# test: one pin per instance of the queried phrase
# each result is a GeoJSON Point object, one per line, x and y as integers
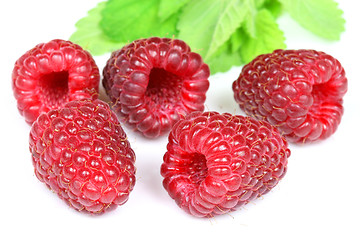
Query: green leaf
{"type": "Point", "coordinates": [253, 6]}
{"type": "Point", "coordinates": [128, 20]}
{"type": "Point", "coordinates": [258, 3]}
{"type": "Point", "coordinates": [274, 6]}
{"type": "Point", "coordinates": [271, 37]}
{"type": "Point", "coordinates": [224, 59]}
{"type": "Point", "coordinates": [236, 40]}
{"type": "Point", "coordinates": [322, 17]}
{"type": "Point", "coordinates": [90, 36]}
{"type": "Point", "coordinates": [170, 7]}
{"type": "Point", "coordinates": [206, 24]}
{"type": "Point", "coordinates": [249, 23]}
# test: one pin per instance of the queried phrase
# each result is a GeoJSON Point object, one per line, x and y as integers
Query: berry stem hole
{"type": "Point", "coordinates": [321, 95]}
{"type": "Point", "coordinates": [197, 168]}
{"type": "Point", "coordinates": [54, 87]}
{"type": "Point", "coordinates": [318, 92]}
{"type": "Point", "coordinates": [163, 86]}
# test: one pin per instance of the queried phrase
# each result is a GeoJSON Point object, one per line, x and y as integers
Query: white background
{"type": "Point", "coordinates": [317, 199]}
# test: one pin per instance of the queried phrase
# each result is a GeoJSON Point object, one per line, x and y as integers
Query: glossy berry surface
{"type": "Point", "coordinates": [216, 163]}
{"type": "Point", "coordinates": [52, 74]}
{"type": "Point", "coordinates": [298, 91]}
{"type": "Point", "coordinates": [154, 81]}
{"type": "Point", "coordinates": [81, 153]}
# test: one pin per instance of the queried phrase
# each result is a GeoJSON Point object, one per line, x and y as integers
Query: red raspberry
{"type": "Point", "coordinates": [52, 74]}
{"type": "Point", "coordinates": [298, 91]}
{"type": "Point", "coordinates": [216, 163]}
{"type": "Point", "coordinates": [153, 81]}
{"type": "Point", "coordinates": [81, 153]}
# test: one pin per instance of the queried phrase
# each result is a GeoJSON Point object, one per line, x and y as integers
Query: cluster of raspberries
{"type": "Point", "coordinates": [214, 163]}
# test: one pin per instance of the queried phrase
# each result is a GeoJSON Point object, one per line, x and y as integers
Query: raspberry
{"type": "Point", "coordinates": [152, 82]}
{"type": "Point", "coordinates": [298, 91]}
{"type": "Point", "coordinates": [81, 153]}
{"type": "Point", "coordinates": [216, 163]}
{"type": "Point", "coordinates": [52, 74]}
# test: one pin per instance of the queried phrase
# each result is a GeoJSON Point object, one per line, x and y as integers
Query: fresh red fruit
{"type": "Point", "coordinates": [81, 153]}
{"type": "Point", "coordinates": [298, 91]}
{"type": "Point", "coordinates": [154, 81]}
{"type": "Point", "coordinates": [216, 163]}
{"type": "Point", "coordinates": [52, 74]}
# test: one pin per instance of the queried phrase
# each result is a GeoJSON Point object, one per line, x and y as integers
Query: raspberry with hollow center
{"type": "Point", "coordinates": [216, 163]}
{"type": "Point", "coordinates": [298, 91]}
{"type": "Point", "coordinates": [52, 74]}
{"type": "Point", "coordinates": [154, 81]}
{"type": "Point", "coordinates": [81, 153]}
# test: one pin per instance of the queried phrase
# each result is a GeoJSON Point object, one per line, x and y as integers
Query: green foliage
{"type": "Point", "coordinates": [128, 20]}
{"type": "Point", "coordinates": [90, 36]}
{"type": "Point", "coordinates": [271, 37]}
{"type": "Point", "coordinates": [205, 25]}
{"type": "Point", "coordinates": [170, 7]}
{"type": "Point", "coordinates": [322, 17]}
{"type": "Point", "coordinates": [226, 33]}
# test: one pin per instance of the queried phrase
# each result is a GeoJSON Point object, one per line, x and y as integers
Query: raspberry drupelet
{"type": "Point", "coordinates": [152, 82]}
{"type": "Point", "coordinates": [216, 163]}
{"type": "Point", "coordinates": [51, 74]}
{"type": "Point", "coordinates": [298, 91]}
{"type": "Point", "coordinates": [81, 153]}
